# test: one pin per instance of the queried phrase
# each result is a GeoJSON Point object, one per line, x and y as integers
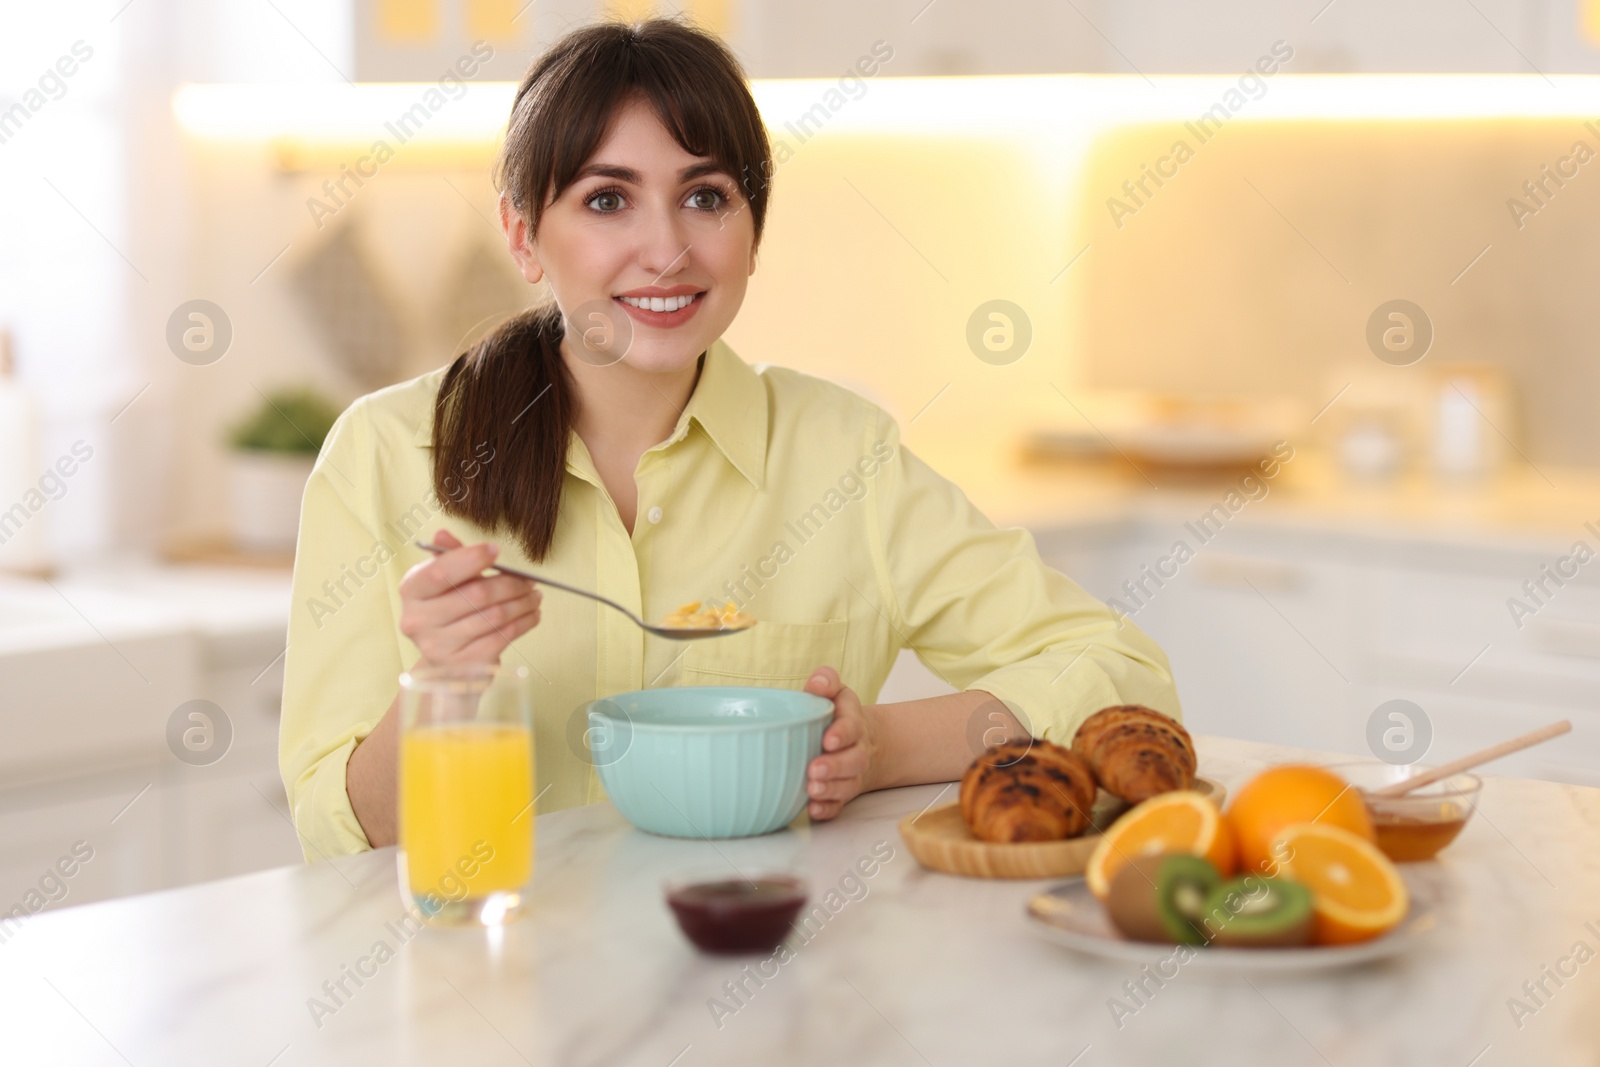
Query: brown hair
{"type": "Point", "coordinates": [510, 392]}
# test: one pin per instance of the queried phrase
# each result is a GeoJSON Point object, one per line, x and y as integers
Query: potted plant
{"type": "Point", "coordinates": [273, 452]}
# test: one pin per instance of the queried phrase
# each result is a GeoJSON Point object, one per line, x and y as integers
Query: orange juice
{"type": "Point", "coordinates": [466, 824]}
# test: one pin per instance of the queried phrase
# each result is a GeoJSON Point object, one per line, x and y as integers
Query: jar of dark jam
{"type": "Point", "coordinates": [737, 915]}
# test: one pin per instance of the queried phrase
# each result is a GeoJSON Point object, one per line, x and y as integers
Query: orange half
{"type": "Point", "coordinates": [1356, 892]}
{"type": "Point", "coordinates": [1179, 821]}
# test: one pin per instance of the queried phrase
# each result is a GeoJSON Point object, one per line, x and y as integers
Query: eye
{"type": "Point", "coordinates": [610, 200]}
{"type": "Point", "coordinates": [610, 192]}
{"type": "Point", "coordinates": [719, 197]}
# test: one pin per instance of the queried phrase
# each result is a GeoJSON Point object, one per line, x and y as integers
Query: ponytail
{"type": "Point", "coordinates": [508, 398]}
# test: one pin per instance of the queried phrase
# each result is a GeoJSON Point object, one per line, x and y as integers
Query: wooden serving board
{"type": "Point", "coordinates": [940, 841]}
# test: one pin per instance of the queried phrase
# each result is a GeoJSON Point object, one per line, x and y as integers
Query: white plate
{"type": "Point", "coordinates": [1070, 915]}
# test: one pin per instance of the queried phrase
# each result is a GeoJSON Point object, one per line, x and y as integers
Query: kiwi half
{"type": "Point", "coordinates": [1162, 898]}
{"type": "Point", "coordinates": [1258, 912]}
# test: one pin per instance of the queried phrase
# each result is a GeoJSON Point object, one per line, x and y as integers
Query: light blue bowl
{"type": "Point", "coordinates": [707, 761]}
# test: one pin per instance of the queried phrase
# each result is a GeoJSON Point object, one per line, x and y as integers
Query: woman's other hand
{"type": "Point", "coordinates": [455, 614]}
{"type": "Point", "coordinates": [845, 767]}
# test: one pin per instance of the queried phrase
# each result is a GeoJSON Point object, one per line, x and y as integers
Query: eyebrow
{"type": "Point", "coordinates": [631, 176]}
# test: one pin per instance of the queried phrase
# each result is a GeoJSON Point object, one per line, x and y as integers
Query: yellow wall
{"type": "Point", "coordinates": [1254, 270]}
{"type": "Point", "coordinates": [922, 198]}
{"type": "Point", "coordinates": [878, 250]}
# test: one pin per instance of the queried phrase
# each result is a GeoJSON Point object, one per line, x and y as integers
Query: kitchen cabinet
{"type": "Point", "coordinates": [40, 829]}
{"type": "Point", "coordinates": [86, 711]}
{"type": "Point", "coordinates": [151, 825]}
{"type": "Point", "coordinates": [1295, 635]}
{"type": "Point", "coordinates": [1421, 36]}
{"type": "Point", "coordinates": [1259, 637]}
{"type": "Point", "coordinates": [359, 40]}
{"type": "Point", "coordinates": [1446, 639]}
{"type": "Point", "coordinates": [1172, 37]}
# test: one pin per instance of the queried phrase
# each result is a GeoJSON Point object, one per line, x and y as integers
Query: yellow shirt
{"type": "Point", "coordinates": [778, 490]}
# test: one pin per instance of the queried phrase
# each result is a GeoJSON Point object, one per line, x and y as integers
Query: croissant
{"type": "Point", "coordinates": [1027, 790]}
{"type": "Point", "coordinates": [1136, 752]}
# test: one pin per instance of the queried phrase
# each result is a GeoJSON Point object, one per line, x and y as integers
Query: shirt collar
{"type": "Point", "coordinates": [729, 403]}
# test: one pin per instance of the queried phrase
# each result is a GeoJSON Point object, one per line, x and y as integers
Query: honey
{"type": "Point", "coordinates": [1413, 836]}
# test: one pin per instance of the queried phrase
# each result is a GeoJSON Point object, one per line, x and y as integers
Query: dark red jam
{"type": "Point", "coordinates": [736, 915]}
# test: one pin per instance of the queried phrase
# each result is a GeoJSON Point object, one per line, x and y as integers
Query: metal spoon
{"type": "Point", "coordinates": [671, 633]}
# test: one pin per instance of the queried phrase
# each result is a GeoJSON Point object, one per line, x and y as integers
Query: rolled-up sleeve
{"type": "Point", "coordinates": [982, 610]}
{"type": "Point", "coordinates": [342, 664]}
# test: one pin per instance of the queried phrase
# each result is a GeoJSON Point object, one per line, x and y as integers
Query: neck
{"type": "Point", "coordinates": [623, 408]}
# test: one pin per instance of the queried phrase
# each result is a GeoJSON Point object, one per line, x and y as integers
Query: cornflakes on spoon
{"type": "Point", "coordinates": [696, 615]}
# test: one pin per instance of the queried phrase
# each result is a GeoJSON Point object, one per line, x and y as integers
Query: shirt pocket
{"type": "Point", "coordinates": [775, 654]}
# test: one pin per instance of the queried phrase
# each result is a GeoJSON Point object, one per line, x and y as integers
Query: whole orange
{"type": "Point", "coordinates": [1282, 796]}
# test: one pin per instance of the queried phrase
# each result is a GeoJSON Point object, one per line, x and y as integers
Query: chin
{"type": "Point", "coordinates": [665, 355]}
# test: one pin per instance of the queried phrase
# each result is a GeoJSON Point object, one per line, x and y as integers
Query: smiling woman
{"type": "Point", "coordinates": [634, 181]}
{"type": "Point", "coordinates": [618, 187]}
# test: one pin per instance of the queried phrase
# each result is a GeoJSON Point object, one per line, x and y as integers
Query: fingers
{"type": "Point", "coordinates": [824, 682]}
{"type": "Point", "coordinates": [488, 647]}
{"type": "Point", "coordinates": [848, 726]}
{"type": "Point", "coordinates": [839, 783]}
{"type": "Point", "coordinates": [836, 776]}
{"type": "Point", "coordinates": [494, 616]}
{"type": "Point", "coordinates": [483, 592]}
{"type": "Point", "coordinates": [500, 597]}
{"type": "Point", "coordinates": [443, 572]}
{"type": "Point", "coordinates": [479, 637]}
{"type": "Point", "coordinates": [823, 810]}
{"type": "Point", "coordinates": [454, 613]}
{"type": "Point", "coordinates": [474, 622]}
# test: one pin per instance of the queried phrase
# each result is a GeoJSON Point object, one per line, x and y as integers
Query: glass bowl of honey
{"type": "Point", "coordinates": [1420, 823]}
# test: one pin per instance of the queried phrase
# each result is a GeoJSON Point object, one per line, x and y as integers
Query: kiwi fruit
{"type": "Point", "coordinates": [1258, 912]}
{"type": "Point", "coordinates": [1162, 898]}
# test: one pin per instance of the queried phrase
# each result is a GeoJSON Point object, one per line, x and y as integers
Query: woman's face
{"type": "Point", "coordinates": [644, 220]}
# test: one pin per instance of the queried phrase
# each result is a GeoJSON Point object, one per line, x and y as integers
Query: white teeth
{"type": "Point", "coordinates": [659, 303]}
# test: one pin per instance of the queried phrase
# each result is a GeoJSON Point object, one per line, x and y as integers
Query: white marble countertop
{"type": "Point", "coordinates": [919, 968]}
{"type": "Point", "coordinates": [1520, 508]}
{"type": "Point", "coordinates": [135, 599]}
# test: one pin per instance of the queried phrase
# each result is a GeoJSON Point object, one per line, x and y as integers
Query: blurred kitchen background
{"type": "Point", "coordinates": [1098, 258]}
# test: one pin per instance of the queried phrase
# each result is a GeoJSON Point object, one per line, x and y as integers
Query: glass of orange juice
{"type": "Point", "coordinates": [466, 792]}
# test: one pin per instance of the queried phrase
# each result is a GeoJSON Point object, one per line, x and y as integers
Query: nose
{"type": "Point", "coordinates": [663, 242]}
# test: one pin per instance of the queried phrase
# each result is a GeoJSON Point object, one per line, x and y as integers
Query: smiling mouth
{"type": "Point", "coordinates": [664, 305]}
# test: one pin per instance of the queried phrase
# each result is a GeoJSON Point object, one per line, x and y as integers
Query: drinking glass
{"type": "Point", "coordinates": [466, 793]}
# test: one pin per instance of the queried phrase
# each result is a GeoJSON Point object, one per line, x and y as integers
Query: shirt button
{"type": "Point", "coordinates": [654, 514]}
